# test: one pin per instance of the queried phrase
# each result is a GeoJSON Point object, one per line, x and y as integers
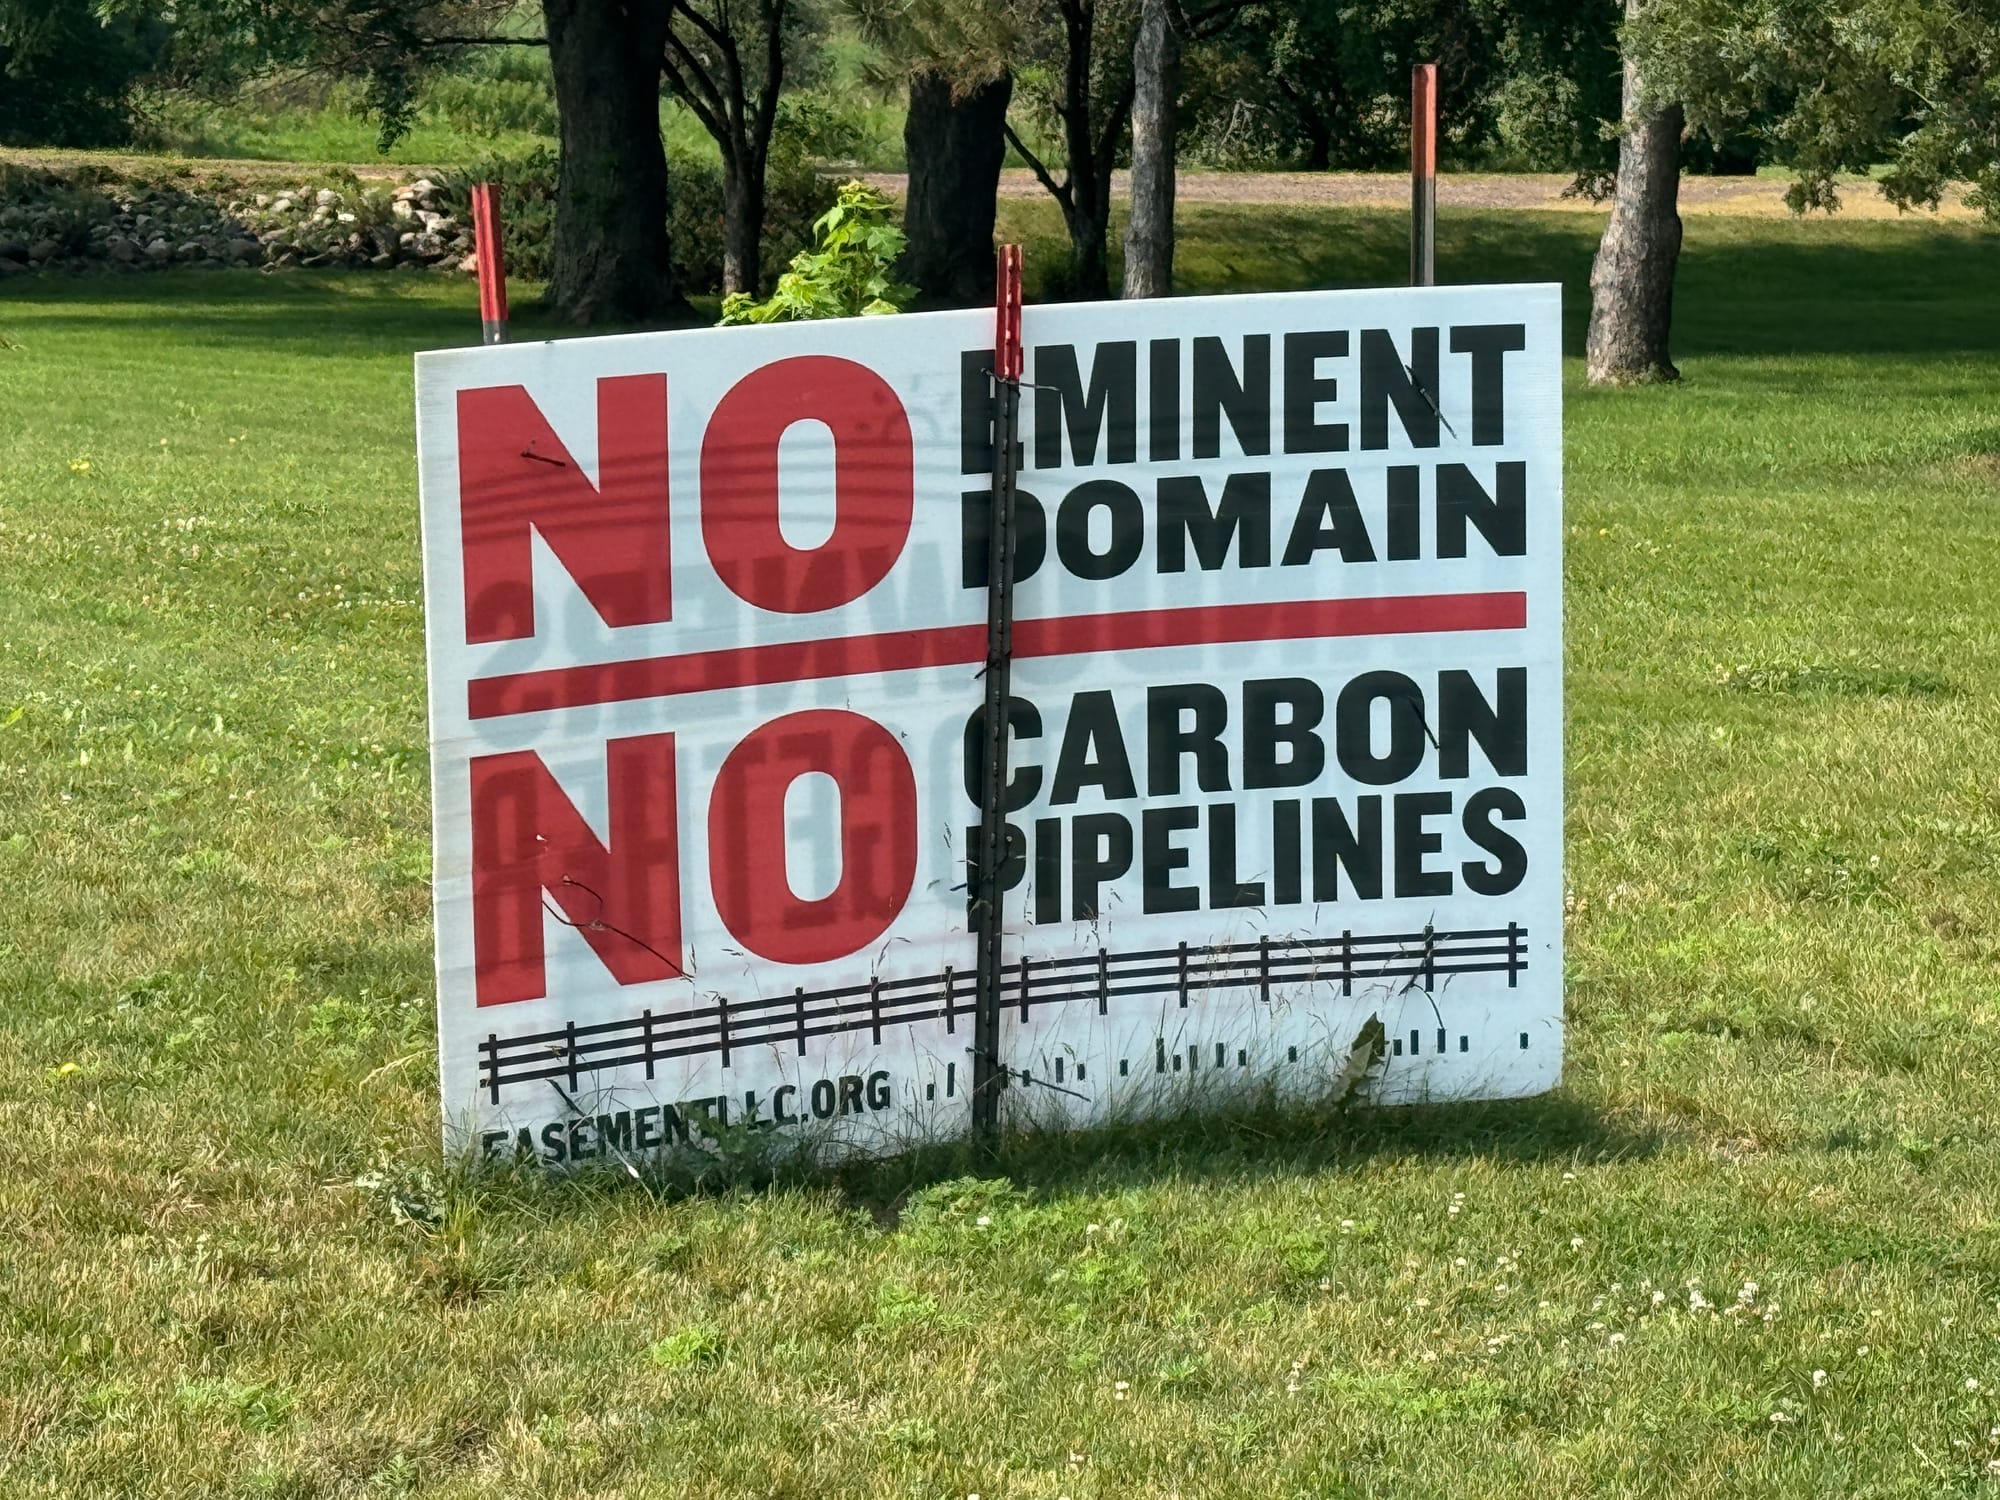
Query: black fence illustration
{"type": "Point", "coordinates": [1185, 973]}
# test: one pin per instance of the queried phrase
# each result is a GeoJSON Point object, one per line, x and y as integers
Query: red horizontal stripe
{"type": "Point", "coordinates": [965, 645]}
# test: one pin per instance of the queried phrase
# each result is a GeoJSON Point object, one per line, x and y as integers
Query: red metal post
{"type": "Point", "coordinates": [1423, 174]}
{"type": "Point", "coordinates": [492, 264]}
{"type": "Point", "coordinates": [1007, 358]}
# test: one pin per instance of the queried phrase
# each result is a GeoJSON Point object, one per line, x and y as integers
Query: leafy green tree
{"type": "Point", "coordinates": [1839, 86]}
{"type": "Point", "coordinates": [1327, 82]}
{"type": "Point", "coordinates": [1557, 84]}
{"type": "Point", "coordinates": [67, 75]}
{"type": "Point", "coordinates": [850, 273]}
{"type": "Point", "coordinates": [1824, 86]}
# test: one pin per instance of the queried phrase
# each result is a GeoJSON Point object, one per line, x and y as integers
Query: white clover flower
{"type": "Point", "coordinates": [1971, 1384]}
{"type": "Point", "coordinates": [1820, 1378]}
{"type": "Point", "coordinates": [1779, 1418]}
{"type": "Point", "coordinates": [1615, 1339]}
{"type": "Point", "coordinates": [1659, 1298]}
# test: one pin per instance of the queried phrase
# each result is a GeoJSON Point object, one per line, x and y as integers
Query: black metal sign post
{"type": "Point", "coordinates": [987, 1070]}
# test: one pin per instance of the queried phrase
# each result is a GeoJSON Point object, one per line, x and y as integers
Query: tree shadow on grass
{"type": "Point", "coordinates": [1747, 286]}
{"type": "Point", "coordinates": [293, 313]}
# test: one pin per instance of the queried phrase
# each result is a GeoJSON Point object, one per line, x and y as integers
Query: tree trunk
{"type": "Point", "coordinates": [1632, 278]}
{"type": "Point", "coordinates": [610, 261]}
{"type": "Point", "coordinates": [742, 229]}
{"type": "Point", "coordinates": [955, 145]}
{"type": "Point", "coordinates": [1149, 237]}
{"type": "Point", "coordinates": [1088, 211]}
{"type": "Point", "coordinates": [1089, 228]}
{"type": "Point", "coordinates": [1319, 142]}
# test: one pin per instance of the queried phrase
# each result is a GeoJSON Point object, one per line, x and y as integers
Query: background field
{"type": "Point", "coordinates": [1749, 1249]}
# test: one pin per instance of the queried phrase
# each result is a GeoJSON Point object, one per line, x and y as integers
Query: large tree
{"type": "Point", "coordinates": [954, 143]}
{"type": "Point", "coordinates": [728, 61]}
{"type": "Point", "coordinates": [1156, 85]}
{"type": "Point", "coordinates": [1166, 28]}
{"type": "Point", "coordinates": [1830, 87]}
{"type": "Point", "coordinates": [67, 74]}
{"type": "Point", "coordinates": [611, 260]}
{"type": "Point", "coordinates": [1841, 86]}
{"type": "Point", "coordinates": [1632, 277]}
{"type": "Point", "coordinates": [1327, 82]}
{"type": "Point", "coordinates": [953, 57]}
{"type": "Point", "coordinates": [1074, 69]}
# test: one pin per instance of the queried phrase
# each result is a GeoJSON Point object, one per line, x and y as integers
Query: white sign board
{"type": "Point", "coordinates": [707, 616]}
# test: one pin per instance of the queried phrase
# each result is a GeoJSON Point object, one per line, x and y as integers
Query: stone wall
{"type": "Point", "coordinates": [52, 221]}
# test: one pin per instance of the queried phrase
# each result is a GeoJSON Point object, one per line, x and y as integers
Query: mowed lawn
{"type": "Point", "coordinates": [1749, 1249]}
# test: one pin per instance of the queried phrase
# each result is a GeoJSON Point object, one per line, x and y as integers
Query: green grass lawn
{"type": "Point", "coordinates": [1750, 1249]}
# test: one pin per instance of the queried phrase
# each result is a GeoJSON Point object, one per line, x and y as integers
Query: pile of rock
{"type": "Point", "coordinates": [56, 225]}
{"type": "Point", "coordinates": [326, 227]}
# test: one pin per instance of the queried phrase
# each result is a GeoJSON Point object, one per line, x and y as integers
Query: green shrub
{"type": "Point", "coordinates": [67, 205]}
{"type": "Point", "coordinates": [849, 273]}
{"type": "Point", "coordinates": [527, 185]}
{"type": "Point", "coordinates": [794, 198]}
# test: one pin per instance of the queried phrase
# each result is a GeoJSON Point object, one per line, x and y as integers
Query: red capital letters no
{"type": "Point", "coordinates": [873, 483]}
{"type": "Point", "coordinates": [515, 475]}
{"type": "Point", "coordinates": [527, 837]}
{"type": "Point", "coordinates": [878, 836]}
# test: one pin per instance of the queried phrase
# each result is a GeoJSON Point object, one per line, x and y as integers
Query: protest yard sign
{"type": "Point", "coordinates": [706, 617]}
